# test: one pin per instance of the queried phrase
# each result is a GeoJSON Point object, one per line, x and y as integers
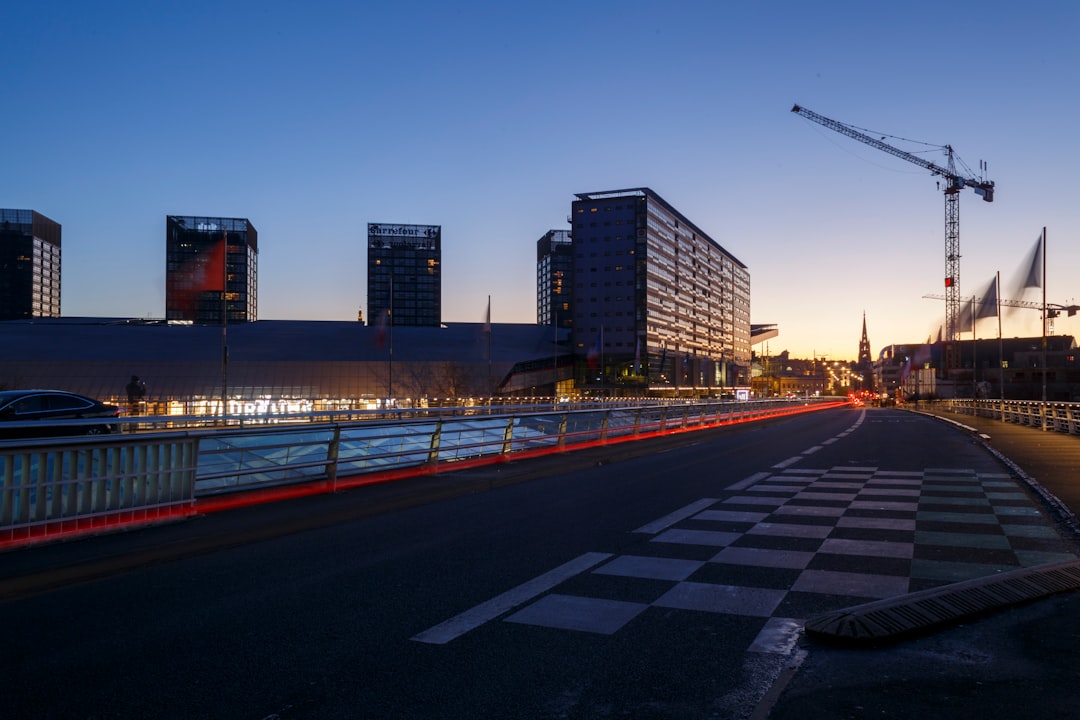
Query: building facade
{"type": "Point", "coordinates": [554, 279]}
{"type": "Point", "coordinates": [211, 270]}
{"type": "Point", "coordinates": [404, 275]}
{"type": "Point", "coordinates": [657, 303]}
{"type": "Point", "coordinates": [277, 366]}
{"type": "Point", "coordinates": [29, 265]}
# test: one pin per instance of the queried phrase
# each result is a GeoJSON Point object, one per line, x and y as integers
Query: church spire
{"type": "Point", "coordinates": [865, 363]}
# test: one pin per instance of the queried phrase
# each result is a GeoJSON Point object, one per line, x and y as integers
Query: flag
{"type": "Point", "coordinates": [209, 275]}
{"type": "Point", "coordinates": [637, 357]}
{"type": "Point", "coordinates": [593, 356]}
{"type": "Point", "coordinates": [381, 329]}
{"type": "Point", "coordinates": [988, 305]}
{"type": "Point", "coordinates": [487, 317]}
{"type": "Point", "coordinates": [1034, 266]}
{"type": "Point", "coordinates": [205, 272]}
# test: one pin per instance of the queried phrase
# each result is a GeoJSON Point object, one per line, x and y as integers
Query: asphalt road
{"type": "Point", "coordinates": [655, 580]}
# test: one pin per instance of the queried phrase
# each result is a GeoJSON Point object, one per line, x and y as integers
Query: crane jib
{"type": "Point", "coordinates": [983, 188]}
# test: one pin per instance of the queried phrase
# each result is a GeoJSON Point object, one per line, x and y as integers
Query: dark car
{"type": "Point", "coordinates": [44, 408]}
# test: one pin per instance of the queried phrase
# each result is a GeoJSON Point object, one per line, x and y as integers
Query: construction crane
{"type": "Point", "coordinates": [954, 183]}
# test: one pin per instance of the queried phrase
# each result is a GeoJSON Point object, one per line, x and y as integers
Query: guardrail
{"type": "Point", "coordinates": [1056, 417]}
{"type": "Point", "coordinates": [50, 488]}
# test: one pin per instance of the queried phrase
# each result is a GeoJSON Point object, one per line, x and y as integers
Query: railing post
{"type": "Point", "coordinates": [436, 441]}
{"type": "Point", "coordinates": [332, 451]}
{"type": "Point", "coordinates": [508, 436]}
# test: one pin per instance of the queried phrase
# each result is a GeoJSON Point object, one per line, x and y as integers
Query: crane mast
{"type": "Point", "coordinates": [954, 183]}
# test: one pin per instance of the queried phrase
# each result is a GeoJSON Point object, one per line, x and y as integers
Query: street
{"type": "Point", "coordinates": [667, 585]}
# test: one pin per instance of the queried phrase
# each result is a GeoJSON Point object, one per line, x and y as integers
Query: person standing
{"type": "Point", "coordinates": [136, 392]}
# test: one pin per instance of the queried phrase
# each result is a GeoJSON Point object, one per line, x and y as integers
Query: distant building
{"type": "Point", "coordinates": [278, 366]}
{"type": "Point", "coordinates": [865, 363]}
{"type": "Point", "coordinates": [657, 303]}
{"type": "Point", "coordinates": [404, 275]}
{"type": "Point", "coordinates": [1009, 369]}
{"type": "Point", "coordinates": [554, 274]}
{"type": "Point", "coordinates": [211, 266]}
{"type": "Point", "coordinates": [29, 265]}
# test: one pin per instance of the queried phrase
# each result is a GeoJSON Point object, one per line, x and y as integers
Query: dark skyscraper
{"type": "Point", "coordinates": [404, 274]}
{"type": "Point", "coordinates": [554, 286]}
{"type": "Point", "coordinates": [29, 265]}
{"type": "Point", "coordinates": [206, 258]}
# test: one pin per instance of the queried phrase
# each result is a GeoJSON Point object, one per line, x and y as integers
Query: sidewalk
{"type": "Point", "coordinates": [1021, 661]}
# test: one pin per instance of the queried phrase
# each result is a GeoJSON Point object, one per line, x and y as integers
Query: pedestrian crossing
{"type": "Point", "coordinates": [797, 541]}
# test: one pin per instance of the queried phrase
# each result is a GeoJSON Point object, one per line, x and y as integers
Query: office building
{"type": "Point", "coordinates": [211, 268]}
{"type": "Point", "coordinates": [554, 287]}
{"type": "Point", "coordinates": [657, 303]}
{"type": "Point", "coordinates": [404, 275]}
{"type": "Point", "coordinates": [29, 265]}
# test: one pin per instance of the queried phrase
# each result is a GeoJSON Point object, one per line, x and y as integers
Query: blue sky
{"type": "Point", "coordinates": [486, 118]}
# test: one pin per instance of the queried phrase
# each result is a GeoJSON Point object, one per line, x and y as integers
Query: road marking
{"type": "Point", "coordinates": [789, 461]}
{"type": "Point", "coordinates": [752, 480]}
{"type": "Point", "coordinates": [471, 619]}
{"type": "Point", "coordinates": [668, 520]}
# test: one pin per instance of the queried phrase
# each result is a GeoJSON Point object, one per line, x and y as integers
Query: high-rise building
{"type": "Point", "coordinates": [657, 303]}
{"type": "Point", "coordinates": [211, 268]}
{"type": "Point", "coordinates": [404, 280]}
{"type": "Point", "coordinates": [29, 265]}
{"type": "Point", "coordinates": [554, 271]}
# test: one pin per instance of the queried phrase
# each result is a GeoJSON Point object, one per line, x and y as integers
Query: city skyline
{"type": "Point", "coordinates": [486, 120]}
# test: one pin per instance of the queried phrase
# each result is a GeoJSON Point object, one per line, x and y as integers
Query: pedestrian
{"type": "Point", "coordinates": [136, 392]}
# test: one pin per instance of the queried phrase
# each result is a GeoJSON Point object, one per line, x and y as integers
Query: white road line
{"type": "Point", "coordinates": [789, 461]}
{"type": "Point", "coordinates": [752, 480]}
{"type": "Point", "coordinates": [471, 619]}
{"type": "Point", "coordinates": [668, 520]}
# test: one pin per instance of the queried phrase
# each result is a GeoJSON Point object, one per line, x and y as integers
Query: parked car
{"type": "Point", "coordinates": [44, 408]}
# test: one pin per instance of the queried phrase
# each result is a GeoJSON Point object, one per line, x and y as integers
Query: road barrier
{"type": "Point", "coordinates": [1055, 417]}
{"type": "Point", "coordinates": [55, 488]}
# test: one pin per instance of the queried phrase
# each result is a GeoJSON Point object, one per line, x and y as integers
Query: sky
{"type": "Point", "coordinates": [314, 119]}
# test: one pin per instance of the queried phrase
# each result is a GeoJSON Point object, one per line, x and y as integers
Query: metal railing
{"type": "Point", "coordinates": [1049, 416]}
{"type": "Point", "coordinates": [77, 484]}
{"type": "Point", "coordinates": [73, 485]}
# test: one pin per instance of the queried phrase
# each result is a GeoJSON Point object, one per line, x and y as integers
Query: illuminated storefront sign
{"type": "Point", "coordinates": [416, 231]}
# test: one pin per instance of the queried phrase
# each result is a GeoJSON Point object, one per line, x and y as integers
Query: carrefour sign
{"type": "Point", "coordinates": [417, 231]}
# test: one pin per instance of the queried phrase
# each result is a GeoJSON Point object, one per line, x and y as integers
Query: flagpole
{"type": "Point", "coordinates": [390, 344]}
{"type": "Point", "coordinates": [1001, 351]}
{"type": "Point", "coordinates": [974, 351]}
{"type": "Point", "coordinates": [1044, 325]}
{"type": "Point", "coordinates": [491, 388]}
{"type": "Point", "coordinates": [224, 323]}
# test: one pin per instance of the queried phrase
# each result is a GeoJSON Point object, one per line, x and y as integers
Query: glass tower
{"type": "Point", "coordinates": [211, 267]}
{"type": "Point", "coordinates": [554, 272]}
{"type": "Point", "coordinates": [29, 265]}
{"type": "Point", "coordinates": [404, 279]}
